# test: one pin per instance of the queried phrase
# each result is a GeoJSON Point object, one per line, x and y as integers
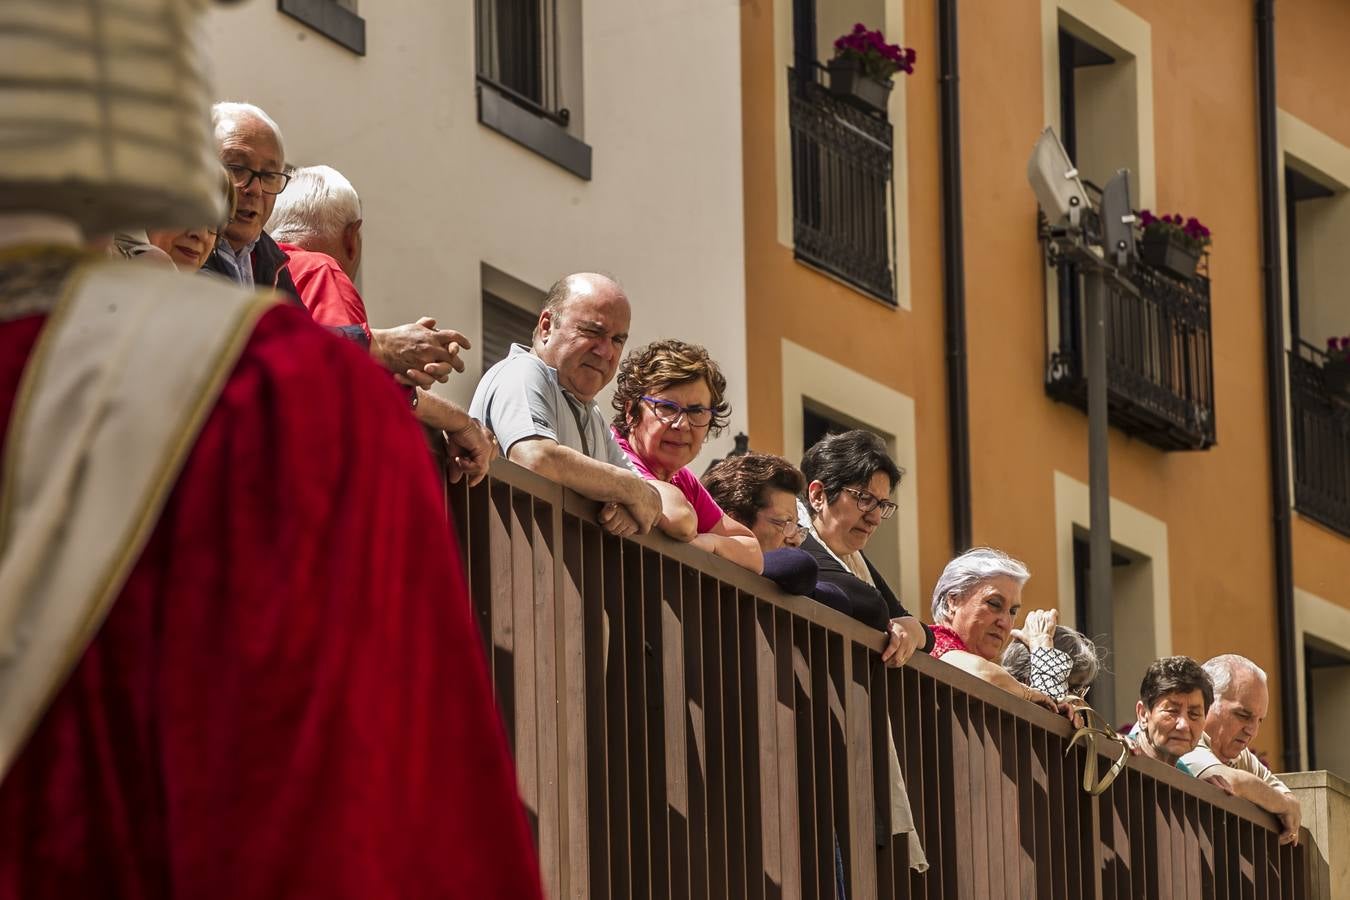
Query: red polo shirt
{"type": "Point", "coordinates": [325, 289]}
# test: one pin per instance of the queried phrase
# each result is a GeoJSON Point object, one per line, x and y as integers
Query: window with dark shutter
{"type": "Point", "coordinates": [335, 19]}
{"type": "Point", "coordinates": [504, 324]}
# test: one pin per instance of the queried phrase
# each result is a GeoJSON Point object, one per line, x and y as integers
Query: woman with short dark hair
{"type": "Point", "coordinates": [759, 490]}
{"type": "Point", "coordinates": [850, 478]}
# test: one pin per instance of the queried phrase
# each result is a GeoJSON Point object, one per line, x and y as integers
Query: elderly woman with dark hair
{"type": "Point", "coordinates": [668, 399]}
{"type": "Point", "coordinates": [1051, 658]}
{"type": "Point", "coordinates": [759, 490]}
{"type": "Point", "coordinates": [975, 603]}
{"type": "Point", "coordinates": [850, 477]}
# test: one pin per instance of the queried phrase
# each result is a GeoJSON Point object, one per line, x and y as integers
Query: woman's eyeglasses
{"type": "Point", "coordinates": [670, 412]}
{"type": "Point", "coordinates": [789, 527]}
{"type": "Point", "coordinates": [867, 501]}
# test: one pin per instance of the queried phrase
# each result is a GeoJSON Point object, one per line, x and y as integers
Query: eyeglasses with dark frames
{"type": "Point", "coordinates": [270, 182]}
{"type": "Point", "coordinates": [867, 502]}
{"type": "Point", "coordinates": [670, 412]}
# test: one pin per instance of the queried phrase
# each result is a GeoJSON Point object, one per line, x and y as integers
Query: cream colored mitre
{"type": "Point", "coordinates": [105, 113]}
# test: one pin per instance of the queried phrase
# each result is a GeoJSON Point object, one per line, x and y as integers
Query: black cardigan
{"type": "Point", "coordinates": [269, 270]}
{"type": "Point", "coordinates": [874, 606]}
{"type": "Point", "coordinates": [269, 267]}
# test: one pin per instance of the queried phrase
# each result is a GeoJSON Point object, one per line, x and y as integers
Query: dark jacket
{"type": "Point", "coordinates": [269, 270]}
{"type": "Point", "coordinates": [873, 606]}
{"type": "Point", "coordinates": [269, 267]}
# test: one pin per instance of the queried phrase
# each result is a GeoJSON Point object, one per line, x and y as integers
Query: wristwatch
{"type": "Point", "coordinates": [412, 399]}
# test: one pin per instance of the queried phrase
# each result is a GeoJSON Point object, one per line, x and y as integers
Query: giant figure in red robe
{"type": "Point", "coordinates": [287, 696]}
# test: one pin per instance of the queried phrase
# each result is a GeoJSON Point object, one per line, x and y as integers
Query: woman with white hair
{"type": "Point", "coordinates": [975, 603]}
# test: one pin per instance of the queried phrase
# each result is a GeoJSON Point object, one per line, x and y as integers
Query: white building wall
{"type": "Point", "coordinates": [442, 194]}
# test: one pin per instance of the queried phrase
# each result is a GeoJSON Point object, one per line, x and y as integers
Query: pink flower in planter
{"type": "Point", "coordinates": [874, 56]}
{"type": "Point", "coordinates": [1190, 231]}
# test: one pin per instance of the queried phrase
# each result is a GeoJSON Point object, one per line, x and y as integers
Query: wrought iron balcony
{"type": "Point", "coordinates": [683, 729]}
{"type": "Point", "coordinates": [1321, 431]}
{"type": "Point", "coordinates": [842, 212]}
{"type": "Point", "coordinates": [1160, 377]}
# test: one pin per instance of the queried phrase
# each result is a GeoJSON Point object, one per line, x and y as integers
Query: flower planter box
{"type": "Point", "coordinates": [1168, 253]}
{"type": "Point", "coordinates": [850, 83]}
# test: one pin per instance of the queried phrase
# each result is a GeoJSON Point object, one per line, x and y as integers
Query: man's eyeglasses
{"type": "Point", "coordinates": [271, 182]}
{"type": "Point", "coordinates": [867, 502]}
{"type": "Point", "coordinates": [670, 412]}
{"type": "Point", "coordinates": [789, 527]}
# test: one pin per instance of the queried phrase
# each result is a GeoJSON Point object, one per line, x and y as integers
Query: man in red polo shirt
{"type": "Point", "coordinates": [317, 223]}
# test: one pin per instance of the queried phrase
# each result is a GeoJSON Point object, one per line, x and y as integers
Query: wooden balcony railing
{"type": "Point", "coordinates": [683, 729]}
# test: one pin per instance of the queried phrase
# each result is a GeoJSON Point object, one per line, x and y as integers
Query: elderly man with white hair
{"type": "Point", "coordinates": [975, 605]}
{"type": "Point", "coordinates": [1241, 699]}
{"type": "Point", "coordinates": [251, 149]}
{"type": "Point", "coordinates": [317, 226]}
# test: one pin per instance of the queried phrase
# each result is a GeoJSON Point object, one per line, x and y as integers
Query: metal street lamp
{"type": "Point", "coordinates": [1098, 242]}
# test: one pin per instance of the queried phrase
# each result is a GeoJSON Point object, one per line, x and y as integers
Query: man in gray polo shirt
{"type": "Point", "coordinates": [540, 401]}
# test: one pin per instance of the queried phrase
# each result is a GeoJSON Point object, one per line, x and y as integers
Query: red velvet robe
{"type": "Point", "coordinates": [289, 697]}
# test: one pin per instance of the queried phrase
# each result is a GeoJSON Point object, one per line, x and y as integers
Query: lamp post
{"type": "Point", "coordinates": [1066, 204]}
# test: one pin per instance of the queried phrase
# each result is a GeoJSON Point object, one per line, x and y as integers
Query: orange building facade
{"type": "Point", "coordinates": [841, 336]}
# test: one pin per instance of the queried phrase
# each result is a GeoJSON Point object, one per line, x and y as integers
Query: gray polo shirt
{"type": "Point", "coordinates": [520, 397]}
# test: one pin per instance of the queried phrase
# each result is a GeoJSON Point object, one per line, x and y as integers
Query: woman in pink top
{"type": "Point", "coordinates": [668, 398]}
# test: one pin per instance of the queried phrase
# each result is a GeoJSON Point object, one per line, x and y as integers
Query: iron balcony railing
{"type": "Point", "coordinates": [682, 729]}
{"type": "Point", "coordinates": [842, 210]}
{"type": "Point", "coordinates": [1321, 438]}
{"type": "Point", "coordinates": [1160, 361]}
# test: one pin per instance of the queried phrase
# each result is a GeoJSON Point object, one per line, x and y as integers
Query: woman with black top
{"type": "Point", "coordinates": [850, 477]}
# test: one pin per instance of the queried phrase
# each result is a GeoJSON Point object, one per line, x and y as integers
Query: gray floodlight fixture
{"type": "Point", "coordinates": [1118, 218]}
{"type": "Point", "coordinates": [1055, 182]}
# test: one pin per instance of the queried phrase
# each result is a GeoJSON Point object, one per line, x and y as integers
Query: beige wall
{"type": "Point", "coordinates": [836, 17]}
{"type": "Point", "coordinates": [1331, 692]}
{"type": "Point", "coordinates": [1325, 799]}
{"type": "Point", "coordinates": [1314, 71]}
{"type": "Point", "coordinates": [442, 194]}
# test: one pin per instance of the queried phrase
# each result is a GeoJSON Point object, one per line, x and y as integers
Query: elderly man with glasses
{"type": "Point", "coordinates": [252, 151]}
